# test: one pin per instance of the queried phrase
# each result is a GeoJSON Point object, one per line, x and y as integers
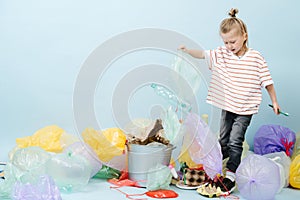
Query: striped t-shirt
{"type": "Point", "coordinates": [236, 82]}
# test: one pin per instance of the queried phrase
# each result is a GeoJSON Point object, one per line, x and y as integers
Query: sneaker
{"type": "Point", "coordinates": [228, 186]}
{"type": "Point", "coordinates": [221, 187]}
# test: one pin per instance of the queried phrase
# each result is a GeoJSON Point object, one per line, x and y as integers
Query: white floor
{"type": "Point", "coordinates": [100, 189]}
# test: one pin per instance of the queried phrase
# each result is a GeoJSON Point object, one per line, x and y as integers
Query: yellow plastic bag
{"type": "Point", "coordinates": [296, 150]}
{"type": "Point", "coordinates": [185, 157]}
{"type": "Point", "coordinates": [48, 138]}
{"type": "Point", "coordinates": [295, 172]}
{"type": "Point", "coordinates": [107, 144]}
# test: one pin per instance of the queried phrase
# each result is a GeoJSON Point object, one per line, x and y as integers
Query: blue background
{"type": "Point", "coordinates": [43, 45]}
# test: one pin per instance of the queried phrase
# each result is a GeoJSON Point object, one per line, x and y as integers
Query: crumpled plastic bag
{"type": "Point", "coordinates": [47, 138]}
{"type": "Point", "coordinates": [43, 189]}
{"type": "Point", "coordinates": [159, 178]}
{"type": "Point", "coordinates": [67, 139]}
{"type": "Point", "coordinates": [70, 172]}
{"type": "Point", "coordinates": [274, 138]}
{"type": "Point", "coordinates": [31, 159]}
{"type": "Point", "coordinates": [138, 127]}
{"type": "Point", "coordinates": [107, 144]}
{"type": "Point", "coordinates": [27, 164]}
{"type": "Point", "coordinates": [171, 127]}
{"type": "Point", "coordinates": [283, 162]}
{"type": "Point", "coordinates": [84, 150]}
{"type": "Point", "coordinates": [295, 172]}
{"type": "Point", "coordinates": [6, 185]}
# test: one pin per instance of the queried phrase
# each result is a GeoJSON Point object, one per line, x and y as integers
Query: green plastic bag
{"type": "Point", "coordinates": [159, 178]}
{"type": "Point", "coordinates": [107, 173]}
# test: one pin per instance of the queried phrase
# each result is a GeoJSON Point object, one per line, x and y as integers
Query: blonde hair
{"type": "Point", "coordinates": [233, 22]}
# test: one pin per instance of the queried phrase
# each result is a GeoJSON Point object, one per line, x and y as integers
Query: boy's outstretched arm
{"type": "Point", "coordinates": [196, 53]}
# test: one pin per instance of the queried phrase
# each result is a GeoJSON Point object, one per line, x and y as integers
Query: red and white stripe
{"type": "Point", "coordinates": [236, 82]}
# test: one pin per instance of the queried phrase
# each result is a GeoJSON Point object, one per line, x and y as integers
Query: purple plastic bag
{"type": "Point", "coordinates": [258, 177]}
{"type": "Point", "coordinates": [274, 138]}
{"type": "Point", "coordinates": [203, 144]}
{"type": "Point", "coordinates": [44, 189]}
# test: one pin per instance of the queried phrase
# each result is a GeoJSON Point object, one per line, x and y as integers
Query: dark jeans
{"type": "Point", "coordinates": [232, 135]}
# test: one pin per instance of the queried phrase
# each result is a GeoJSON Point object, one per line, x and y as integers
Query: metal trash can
{"type": "Point", "coordinates": [143, 159]}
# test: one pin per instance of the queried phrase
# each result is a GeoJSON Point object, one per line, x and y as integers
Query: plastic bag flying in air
{"type": "Point", "coordinates": [187, 71]}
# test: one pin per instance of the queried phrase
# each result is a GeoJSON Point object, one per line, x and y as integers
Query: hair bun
{"type": "Point", "coordinates": [233, 12]}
